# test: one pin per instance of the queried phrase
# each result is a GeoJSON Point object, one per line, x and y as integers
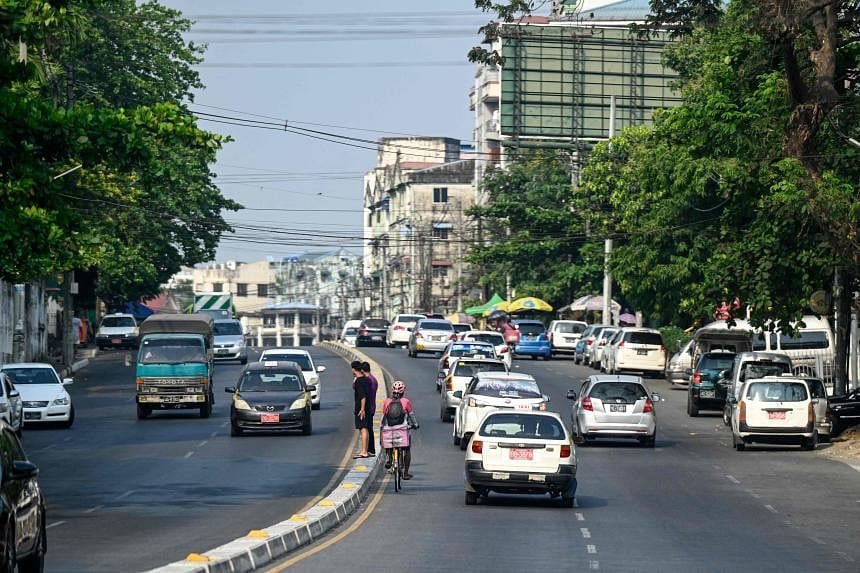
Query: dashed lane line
{"type": "Point", "coordinates": [125, 495]}
{"type": "Point", "coordinates": [579, 516]}
{"type": "Point", "coordinates": [55, 524]}
{"type": "Point", "coordinates": [203, 443]}
{"type": "Point", "coordinates": [771, 508]}
{"type": "Point", "coordinates": [586, 534]}
{"type": "Point", "coordinates": [733, 479]}
{"type": "Point", "coordinates": [593, 565]}
{"type": "Point", "coordinates": [188, 455]}
{"type": "Point", "coordinates": [213, 434]}
{"type": "Point", "coordinates": [93, 509]}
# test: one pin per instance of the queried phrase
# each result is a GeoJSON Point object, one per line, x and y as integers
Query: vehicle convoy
{"type": "Point", "coordinates": [175, 364]}
{"type": "Point", "coordinates": [218, 305]}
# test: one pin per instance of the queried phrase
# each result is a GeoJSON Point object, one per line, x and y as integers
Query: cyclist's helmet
{"type": "Point", "coordinates": [398, 387]}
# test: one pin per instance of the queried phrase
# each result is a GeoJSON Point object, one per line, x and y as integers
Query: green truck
{"type": "Point", "coordinates": [174, 364]}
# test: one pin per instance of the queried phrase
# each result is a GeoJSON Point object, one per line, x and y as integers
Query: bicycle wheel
{"type": "Point", "coordinates": [395, 465]}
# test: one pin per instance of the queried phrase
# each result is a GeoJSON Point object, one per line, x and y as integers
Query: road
{"type": "Point", "coordinates": [128, 495]}
{"type": "Point", "coordinates": [691, 504]}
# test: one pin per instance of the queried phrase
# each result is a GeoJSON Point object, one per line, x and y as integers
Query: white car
{"type": "Point", "coordinates": [503, 352]}
{"type": "Point", "coordinates": [636, 349]}
{"type": "Point", "coordinates": [460, 349]}
{"type": "Point", "coordinates": [459, 375]}
{"type": "Point", "coordinates": [348, 336]}
{"type": "Point", "coordinates": [564, 334]}
{"type": "Point", "coordinates": [778, 410]}
{"type": "Point", "coordinates": [494, 391]}
{"type": "Point", "coordinates": [400, 329]}
{"type": "Point", "coordinates": [43, 394]}
{"type": "Point", "coordinates": [117, 330]}
{"type": "Point", "coordinates": [11, 406]}
{"type": "Point", "coordinates": [599, 347]}
{"type": "Point", "coordinates": [522, 453]}
{"type": "Point", "coordinates": [305, 362]}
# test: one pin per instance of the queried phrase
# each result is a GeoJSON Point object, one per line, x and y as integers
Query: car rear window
{"type": "Point", "coordinates": [376, 323]}
{"type": "Point", "coordinates": [118, 321]}
{"type": "Point", "coordinates": [227, 328]}
{"type": "Point", "coordinates": [472, 350]}
{"type": "Point", "coordinates": [504, 425]}
{"type": "Point", "coordinates": [761, 369]}
{"type": "Point", "coordinates": [777, 392]}
{"type": "Point", "coordinates": [569, 327]}
{"type": "Point", "coordinates": [507, 389]}
{"type": "Point", "coordinates": [472, 368]}
{"type": "Point", "coordinates": [531, 328]}
{"type": "Point", "coordinates": [436, 325]}
{"type": "Point", "coordinates": [494, 339]}
{"type": "Point", "coordinates": [652, 338]}
{"type": "Point", "coordinates": [808, 340]}
{"type": "Point", "coordinates": [711, 362]}
{"type": "Point", "coordinates": [628, 392]}
{"type": "Point", "coordinates": [409, 318]}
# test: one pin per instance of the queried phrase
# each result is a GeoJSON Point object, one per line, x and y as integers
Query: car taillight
{"type": "Point", "coordinates": [810, 414]}
{"type": "Point", "coordinates": [742, 411]}
{"type": "Point", "coordinates": [565, 452]}
{"type": "Point", "coordinates": [477, 446]}
{"type": "Point", "coordinates": [649, 406]}
{"type": "Point", "coordinates": [697, 378]}
{"type": "Point", "coordinates": [662, 349]}
{"type": "Point", "coordinates": [586, 404]}
{"type": "Point", "coordinates": [588, 341]}
{"type": "Point", "coordinates": [398, 327]}
{"type": "Point", "coordinates": [419, 335]}
{"type": "Point", "coordinates": [542, 406]}
{"type": "Point", "coordinates": [363, 331]}
{"type": "Point", "coordinates": [621, 344]}
{"type": "Point", "coordinates": [453, 337]}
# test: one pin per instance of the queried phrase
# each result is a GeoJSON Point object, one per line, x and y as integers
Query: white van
{"type": "Point", "coordinates": [811, 352]}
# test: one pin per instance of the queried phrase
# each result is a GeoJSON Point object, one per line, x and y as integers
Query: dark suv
{"type": "Point", "coordinates": [372, 331]}
{"type": "Point", "coordinates": [707, 389]}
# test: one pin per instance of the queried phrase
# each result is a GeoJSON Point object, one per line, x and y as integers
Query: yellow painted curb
{"type": "Point", "coordinates": [360, 468]}
{"type": "Point", "coordinates": [301, 518]}
{"type": "Point", "coordinates": [327, 503]}
{"type": "Point", "coordinates": [258, 533]}
{"type": "Point", "coordinates": [347, 485]}
{"type": "Point", "coordinates": [197, 558]}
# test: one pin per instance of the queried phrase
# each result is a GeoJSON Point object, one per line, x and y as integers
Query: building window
{"type": "Point", "coordinates": [441, 230]}
{"type": "Point", "coordinates": [306, 318]}
{"type": "Point", "coordinates": [217, 287]}
{"type": "Point", "coordinates": [440, 272]}
{"type": "Point", "coordinates": [269, 320]}
{"type": "Point", "coordinates": [263, 290]}
{"type": "Point", "coordinates": [440, 194]}
{"type": "Point", "coordinates": [241, 289]}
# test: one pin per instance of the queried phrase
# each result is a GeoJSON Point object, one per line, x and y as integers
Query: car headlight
{"type": "Point", "coordinates": [64, 401]}
{"type": "Point", "coordinates": [298, 404]}
{"type": "Point", "coordinates": [240, 404]}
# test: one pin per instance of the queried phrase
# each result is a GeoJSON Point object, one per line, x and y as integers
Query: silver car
{"type": "Point", "coordinates": [229, 343]}
{"type": "Point", "coordinates": [613, 406]}
{"type": "Point", "coordinates": [677, 366]}
{"type": "Point", "coordinates": [430, 335]}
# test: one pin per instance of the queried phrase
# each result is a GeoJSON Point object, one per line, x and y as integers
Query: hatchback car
{"type": "Point", "coordinates": [310, 371]}
{"type": "Point", "coordinates": [458, 349]}
{"type": "Point", "coordinates": [708, 386]}
{"type": "Point", "coordinates": [638, 349]}
{"type": "Point", "coordinates": [494, 391]}
{"type": "Point", "coordinates": [774, 410]}
{"type": "Point", "coordinates": [430, 335]}
{"type": "Point", "coordinates": [564, 334]}
{"type": "Point", "coordinates": [11, 406]}
{"type": "Point", "coordinates": [22, 508]}
{"type": "Point", "coordinates": [229, 343]}
{"type": "Point", "coordinates": [461, 372]}
{"type": "Point", "coordinates": [585, 344]}
{"type": "Point", "coordinates": [400, 328]}
{"type": "Point", "coordinates": [521, 453]}
{"type": "Point", "coordinates": [43, 394]}
{"type": "Point", "coordinates": [844, 411]}
{"type": "Point", "coordinates": [372, 331]}
{"type": "Point", "coordinates": [610, 406]}
{"type": "Point", "coordinates": [271, 395]}
{"type": "Point", "coordinates": [533, 340]}
{"type": "Point", "coordinates": [503, 351]}
{"type": "Point", "coordinates": [117, 330]}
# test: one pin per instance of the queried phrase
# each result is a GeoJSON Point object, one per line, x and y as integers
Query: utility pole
{"type": "Point", "coordinates": [459, 240]}
{"type": "Point", "coordinates": [607, 245]}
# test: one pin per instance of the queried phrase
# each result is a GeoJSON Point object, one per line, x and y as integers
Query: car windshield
{"type": "Point", "coordinates": [569, 327]}
{"type": "Point", "coordinates": [409, 318]}
{"type": "Point", "coordinates": [350, 332]}
{"type": "Point", "coordinates": [472, 368]}
{"type": "Point", "coordinates": [172, 350]}
{"type": "Point", "coordinates": [222, 328]}
{"type": "Point", "coordinates": [494, 339]}
{"type": "Point", "coordinates": [762, 369]}
{"type": "Point", "coordinates": [531, 328]}
{"type": "Point", "coordinates": [627, 392]}
{"type": "Point", "coordinates": [472, 350]}
{"type": "Point", "coordinates": [118, 322]}
{"type": "Point", "coordinates": [436, 325]}
{"type": "Point", "coordinates": [274, 381]}
{"type": "Point", "coordinates": [777, 392]}
{"type": "Point", "coordinates": [507, 389]}
{"type": "Point", "coordinates": [504, 425]}
{"type": "Point", "coordinates": [31, 376]}
{"type": "Point", "coordinates": [719, 362]}
{"type": "Point", "coordinates": [375, 323]}
{"type": "Point", "coordinates": [652, 338]}
{"type": "Point", "coordinates": [301, 359]}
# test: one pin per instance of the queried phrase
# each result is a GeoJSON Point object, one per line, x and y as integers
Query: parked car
{"type": "Point", "coordinates": [430, 335]}
{"type": "Point", "coordinates": [494, 391]}
{"type": "Point", "coordinates": [708, 387]}
{"type": "Point", "coordinates": [585, 344]}
{"type": "Point", "coordinates": [677, 366]}
{"type": "Point", "coordinates": [845, 411]}
{"type": "Point", "coordinates": [821, 405]}
{"type": "Point", "coordinates": [774, 410]}
{"type": "Point", "coordinates": [310, 371]}
{"type": "Point", "coordinates": [457, 349]}
{"type": "Point", "coordinates": [11, 405]}
{"type": "Point", "coordinates": [271, 395]}
{"type": "Point", "coordinates": [117, 330]}
{"type": "Point", "coordinates": [598, 348]}
{"type": "Point", "coordinates": [229, 342]}
{"type": "Point", "coordinates": [753, 364]}
{"type": "Point", "coordinates": [461, 329]}
{"type": "Point", "coordinates": [459, 375]}
{"type": "Point", "coordinates": [611, 406]}
{"type": "Point", "coordinates": [533, 340]}
{"type": "Point", "coordinates": [400, 328]}
{"type": "Point", "coordinates": [22, 508]}
{"type": "Point", "coordinates": [372, 331]}
{"type": "Point", "coordinates": [503, 351]}
{"type": "Point", "coordinates": [521, 453]}
{"type": "Point", "coordinates": [43, 394]}
{"type": "Point", "coordinates": [639, 350]}
{"type": "Point", "coordinates": [564, 334]}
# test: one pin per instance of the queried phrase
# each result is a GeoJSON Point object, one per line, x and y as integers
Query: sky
{"type": "Point", "coordinates": [325, 64]}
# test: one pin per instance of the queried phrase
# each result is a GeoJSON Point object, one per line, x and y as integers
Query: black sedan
{"type": "Point", "coordinates": [271, 395]}
{"type": "Point", "coordinates": [372, 331]}
{"type": "Point", "coordinates": [22, 508]}
{"type": "Point", "coordinates": [845, 411]}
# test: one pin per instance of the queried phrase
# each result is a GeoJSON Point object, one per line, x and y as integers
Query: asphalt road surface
{"type": "Point", "coordinates": [691, 504]}
{"type": "Point", "coordinates": [127, 495]}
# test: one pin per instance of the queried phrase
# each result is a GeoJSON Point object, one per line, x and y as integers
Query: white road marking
{"type": "Point", "coordinates": [576, 502]}
{"type": "Point", "coordinates": [593, 565]}
{"type": "Point", "coordinates": [733, 479]}
{"type": "Point", "coordinates": [586, 534]}
{"type": "Point", "coordinates": [591, 548]}
{"type": "Point", "coordinates": [771, 508]}
{"type": "Point", "coordinates": [579, 516]}
{"type": "Point", "coordinates": [188, 455]}
{"type": "Point", "coordinates": [69, 439]}
{"type": "Point", "coordinates": [213, 434]}
{"type": "Point", "coordinates": [126, 494]}
{"type": "Point", "coordinates": [55, 524]}
{"type": "Point", "coordinates": [48, 447]}
{"type": "Point", "coordinates": [92, 509]}
{"type": "Point", "coordinates": [203, 443]}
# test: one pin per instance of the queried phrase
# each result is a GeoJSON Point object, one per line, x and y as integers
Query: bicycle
{"type": "Point", "coordinates": [394, 438]}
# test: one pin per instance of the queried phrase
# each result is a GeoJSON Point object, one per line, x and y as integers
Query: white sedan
{"type": "Point", "coordinates": [43, 394]}
{"type": "Point", "coordinates": [489, 391]}
{"type": "Point", "coordinates": [503, 352]}
{"type": "Point", "coordinates": [306, 363]}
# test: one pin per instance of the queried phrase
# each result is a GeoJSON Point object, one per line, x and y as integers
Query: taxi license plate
{"type": "Point", "coordinates": [522, 454]}
{"type": "Point", "coordinates": [617, 408]}
{"type": "Point", "coordinates": [706, 394]}
{"type": "Point", "coordinates": [270, 418]}
{"type": "Point", "coordinates": [776, 415]}
{"type": "Point", "coordinates": [642, 351]}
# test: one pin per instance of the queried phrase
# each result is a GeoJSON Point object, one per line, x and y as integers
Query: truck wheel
{"type": "Point", "coordinates": [143, 412]}
{"type": "Point", "coordinates": [206, 410]}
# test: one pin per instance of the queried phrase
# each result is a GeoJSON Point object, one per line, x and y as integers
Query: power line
{"type": "Point", "coordinates": [333, 65]}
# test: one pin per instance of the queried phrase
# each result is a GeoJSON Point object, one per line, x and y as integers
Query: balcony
{"type": "Point", "coordinates": [473, 99]}
{"type": "Point", "coordinates": [491, 90]}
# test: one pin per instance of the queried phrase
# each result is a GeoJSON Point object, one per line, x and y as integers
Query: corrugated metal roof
{"type": "Point", "coordinates": [610, 10]}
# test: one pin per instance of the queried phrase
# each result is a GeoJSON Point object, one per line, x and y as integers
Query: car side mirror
{"type": "Point", "coordinates": [571, 394]}
{"type": "Point", "coordinates": [14, 393]}
{"type": "Point", "coordinates": [67, 381]}
{"type": "Point", "coordinates": [22, 470]}
{"type": "Point", "coordinates": [311, 387]}
{"type": "Point", "coordinates": [320, 368]}
{"type": "Point", "coordinates": [688, 371]}
{"type": "Point", "coordinates": [230, 389]}
{"type": "Point", "coordinates": [458, 394]}
{"type": "Point", "coordinates": [656, 398]}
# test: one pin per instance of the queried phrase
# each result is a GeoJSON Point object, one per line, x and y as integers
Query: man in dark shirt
{"type": "Point", "coordinates": [363, 415]}
{"type": "Point", "coordinates": [374, 385]}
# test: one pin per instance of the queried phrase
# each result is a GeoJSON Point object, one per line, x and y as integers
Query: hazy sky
{"type": "Point", "coordinates": [323, 63]}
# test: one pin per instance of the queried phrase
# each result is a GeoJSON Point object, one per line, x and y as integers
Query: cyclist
{"type": "Point", "coordinates": [395, 410]}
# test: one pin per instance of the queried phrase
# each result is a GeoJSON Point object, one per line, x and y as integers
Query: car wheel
{"type": "Point", "coordinates": [834, 428]}
{"type": "Point", "coordinates": [464, 441]}
{"type": "Point", "coordinates": [534, 357]}
{"type": "Point", "coordinates": [235, 430]}
{"type": "Point", "coordinates": [567, 501]}
{"type": "Point", "coordinates": [650, 441]}
{"type": "Point", "coordinates": [738, 443]}
{"type": "Point", "coordinates": [35, 562]}
{"type": "Point", "coordinates": [456, 440]}
{"type": "Point", "coordinates": [471, 498]}
{"type": "Point", "coordinates": [692, 409]}
{"type": "Point", "coordinates": [446, 416]}
{"type": "Point", "coordinates": [68, 423]}
{"type": "Point", "coordinates": [727, 416]}
{"type": "Point", "coordinates": [810, 444]}
{"type": "Point", "coordinates": [307, 425]}
{"type": "Point", "coordinates": [143, 412]}
{"type": "Point", "coordinates": [244, 360]}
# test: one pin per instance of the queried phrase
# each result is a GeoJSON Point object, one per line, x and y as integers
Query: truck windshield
{"type": "Point", "coordinates": [172, 350]}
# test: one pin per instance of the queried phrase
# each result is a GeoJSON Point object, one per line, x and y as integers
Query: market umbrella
{"type": "Point", "coordinates": [590, 302]}
{"type": "Point", "coordinates": [529, 303]}
{"type": "Point", "coordinates": [627, 317]}
{"type": "Point", "coordinates": [479, 310]}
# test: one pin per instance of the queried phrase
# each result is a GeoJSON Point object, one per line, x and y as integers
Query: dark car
{"type": "Point", "coordinates": [707, 389]}
{"type": "Point", "coordinates": [845, 411]}
{"type": "Point", "coordinates": [22, 508]}
{"type": "Point", "coordinates": [372, 331]}
{"type": "Point", "coordinates": [271, 395]}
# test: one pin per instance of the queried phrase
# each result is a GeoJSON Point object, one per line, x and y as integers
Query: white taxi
{"type": "Point", "coordinates": [521, 453]}
{"type": "Point", "coordinates": [775, 410]}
